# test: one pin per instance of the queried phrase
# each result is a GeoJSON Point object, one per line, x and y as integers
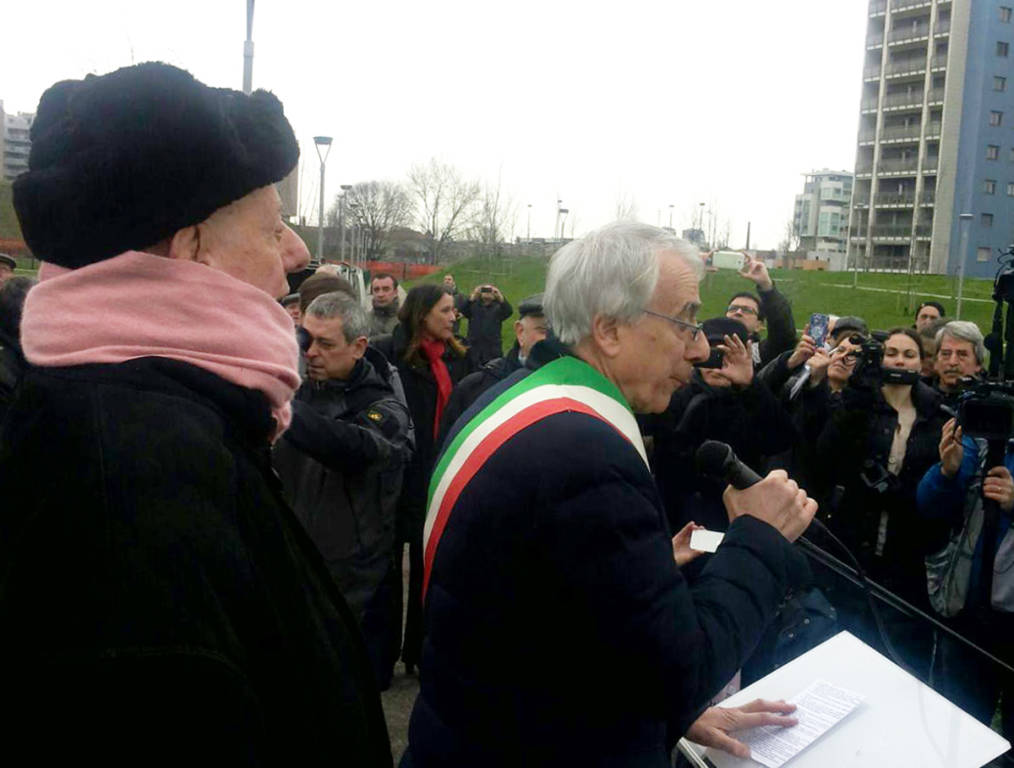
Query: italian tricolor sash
{"type": "Point", "coordinates": [565, 384]}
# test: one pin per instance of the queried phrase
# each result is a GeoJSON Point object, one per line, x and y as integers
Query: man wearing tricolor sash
{"type": "Point", "coordinates": [559, 630]}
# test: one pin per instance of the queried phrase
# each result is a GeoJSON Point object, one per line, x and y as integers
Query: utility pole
{"type": "Point", "coordinates": [964, 220]}
{"type": "Point", "coordinates": [747, 236]}
{"type": "Point", "coordinates": [248, 49]}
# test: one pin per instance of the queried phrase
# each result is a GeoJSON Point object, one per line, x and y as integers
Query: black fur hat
{"type": "Point", "coordinates": [123, 161]}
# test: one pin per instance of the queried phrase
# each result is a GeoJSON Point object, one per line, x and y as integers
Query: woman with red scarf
{"type": "Point", "coordinates": [431, 360]}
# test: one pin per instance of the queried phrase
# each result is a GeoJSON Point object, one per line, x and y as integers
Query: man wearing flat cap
{"type": "Point", "coordinates": [7, 267]}
{"type": "Point", "coordinates": [161, 602]}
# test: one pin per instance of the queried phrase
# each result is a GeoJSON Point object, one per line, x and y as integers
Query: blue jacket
{"type": "Point", "coordinates": [943, 498]}
{"type": "Point", "coordinates": [559, 630]}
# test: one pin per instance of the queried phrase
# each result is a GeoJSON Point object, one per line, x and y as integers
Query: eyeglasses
{"type": "Point", "coordinates": [694, 328]}
{"type": "Point", "coordinates": [740, 308]}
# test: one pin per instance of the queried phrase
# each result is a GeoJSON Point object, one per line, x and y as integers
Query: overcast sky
{"type": "Point", "coordinates": [658, 103]}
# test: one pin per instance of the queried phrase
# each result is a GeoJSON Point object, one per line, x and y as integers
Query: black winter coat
{"type": "Point", "coordinates": [781, 335]}
{"type": "Point", "coordinates": [421, 396]}
{"type": "Point", "coordinates": [341, 464]}
{"type": "Point", "coordinates": [473, 385]}
{"type": "Point", "coordinates": [156, 592]}
{"type": "Point", "coordinates": [559, 631]}
{"type": "Point", "coordinates": [484, 323]}
{"type": "Point", "coordinates": [852, 452]}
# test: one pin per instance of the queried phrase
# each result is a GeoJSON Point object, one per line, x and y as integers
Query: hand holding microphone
{"type": "Point", "coordinates": [776, 499]}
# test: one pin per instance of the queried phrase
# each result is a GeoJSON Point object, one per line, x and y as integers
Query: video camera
{"type": "Point", "coordinates": [869, 370]}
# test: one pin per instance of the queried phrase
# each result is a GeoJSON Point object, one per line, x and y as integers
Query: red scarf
{"type": "Point", "coordinates": [434, 349]}
{"type": "Point", "coordinates": [139, 305]}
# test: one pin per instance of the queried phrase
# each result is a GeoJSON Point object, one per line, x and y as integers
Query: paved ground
{"type": "Point", "coordinates": [399, 698]}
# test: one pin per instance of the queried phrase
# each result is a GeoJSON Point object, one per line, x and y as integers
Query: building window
{"type": "Point", "coordinates": [999, 83]}
{"type": "Point", "coordinates": [983, 254]}
{"type": "Point", "coordinates": [1002, 49]}
{"type": "Point", "coordinates": [995, 118]}
{"type": "Point", "coordinates": [1005, 14]}
{"type": "Point", "coordinates": [987, 219]}
{"type": "Point", "coordinates": [1010, 189]}
{"type": "Point", "coordinates": [989, 186]}
{"type": "Point", "coordinates": [992, 151]}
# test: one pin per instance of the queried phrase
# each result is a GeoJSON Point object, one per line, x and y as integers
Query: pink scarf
{"type": "Point", "coordinates": [140, 305]}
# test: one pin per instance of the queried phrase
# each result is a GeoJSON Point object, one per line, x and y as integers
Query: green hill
{"type": "Point", "coordinates": [881, 299]}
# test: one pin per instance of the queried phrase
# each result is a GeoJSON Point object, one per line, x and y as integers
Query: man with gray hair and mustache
{"type": "Point", "coordinates": [961, 352]}
{"type": "Point", "coordinates": [559, 630]}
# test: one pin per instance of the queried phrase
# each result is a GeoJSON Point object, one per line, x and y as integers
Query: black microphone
{"type": "Point", "coordinates": [716, 460]}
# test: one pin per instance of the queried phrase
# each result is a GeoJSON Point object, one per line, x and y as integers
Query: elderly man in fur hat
{"type": "Point", "coordinates": [159, 600]}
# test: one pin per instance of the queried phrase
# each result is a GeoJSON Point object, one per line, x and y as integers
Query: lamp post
{"type": "Point", "coordinates": [700, 223]}
{"type": "Point", "coordinates": [529, 224]}
{"type": "Point", "coordinates": [964, 220]}
{"type": "Point", "coordinates": [248, 49]}
{"type": "Point", "coordinates": [320, 142]}
{"type": "Point", "coordinates": [563, 220]}
{"type": "Point", "coordinates": [670, 215]}
{"type": "Point", "coordinates": [559, 208]}
{"type": "Point", "coordinates": [341, 221]}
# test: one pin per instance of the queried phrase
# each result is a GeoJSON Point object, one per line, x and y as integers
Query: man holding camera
{"type": "Point", "coordinates": [767, 305]}
{"type": "Point", "coordinates": [486, 310]}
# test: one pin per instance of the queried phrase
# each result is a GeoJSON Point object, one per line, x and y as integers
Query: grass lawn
{"type": "Point", "coordinates": [881, 299]}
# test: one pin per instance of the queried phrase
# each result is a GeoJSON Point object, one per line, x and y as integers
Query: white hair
{"type": "Point", "coordinates": [355, 322]}
{"type": "Point", "coordinates": [964, 330]}
{"type": "Point", "coordinates": [612, 272]}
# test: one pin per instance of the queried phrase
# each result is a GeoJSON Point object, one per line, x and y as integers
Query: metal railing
{"type": "Point", "coordinates": [923, 230]}
{"type": "Point", "coordinates": [891, 230]}
{"type": "Point", "coordinates": [930, 163]}
{"type": "Point", "coordinates": [928, 197]}
{"type": "Point", "coordinates": [908, 33]}
{"type": "Point", "coordinates": [934, 95]}
{"type": "Point", "coordinates": [860, 200]}
{"type": "Point", "coordinates": [903, 99]}
{"type": "Point", "coordinates": [904, 132]}
{"type": "Point", "coordinates": [868, 104]}
{"type": "Point", "coordinates": [906, 67]}
{"type": "Point", "coordinates": [871, 72]}
{"type": "Point", "coordinates": [900, 5]}
{"type": "Point", "coordinates": [867, 136]}
{"type": "Point", "coordinates": [938, 62]}
{"type": "Point", "coordinates": [899, 165]}
{"type": "Point", "coordinates": [878, 6]}
{"type": "Point", "coordinates": [895, 199]}
{"type": "Point", "coordinates": [943, 28]}
{"type": "Point", "coordinates": [933, 129]}
{"type": "Point", "coordinates": [872, 41]}
{"type": "Point", "coordinates": [864, 168]}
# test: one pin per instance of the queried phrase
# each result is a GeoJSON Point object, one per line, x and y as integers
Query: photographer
{"type": "Point", "coordinates": [486, 310]}
{"type": "Point", "coordinates": [961, 352]}
{"type": "Point", "coordinates": [883, 436]}
{"type": "Point", "coordinates": [952, 492]}
{"type": "Point", "coordinates": [766, 306]}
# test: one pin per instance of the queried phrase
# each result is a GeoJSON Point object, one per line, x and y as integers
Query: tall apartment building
{"type": "Point", "coordinates": [821, 215]}
{"type": "Point", "coordinates": [936, 136]}
{"type": "Point", "coordinates": [14, 142]}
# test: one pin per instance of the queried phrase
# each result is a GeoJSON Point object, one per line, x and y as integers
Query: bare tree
{"type": "Point", "coordinates": [445, 203]}
{"type": "Point", "coordinates": [375, 207]}
{"type": "Point", "coordinates": [626, 208]}
{"type": "Point", "coordinates": [494, 220]}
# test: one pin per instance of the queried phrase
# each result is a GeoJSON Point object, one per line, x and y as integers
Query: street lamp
{"type": "Point", "coordinates": [964, 220]}
{"type": "Point", "coordinates": [670, 215]}
{"type": "Point", "coordinates": [700, 222]}
{"type": "Point", "coordinates": [320, 142]}
{"type": "Point", "coordinates": [559, 209]}
{"type": "Point", "coordinates": [341, 220]}
{"type": "Point", "coordinates": [529, 223]}
{"type": "Point", "coordinates": [563, 220]}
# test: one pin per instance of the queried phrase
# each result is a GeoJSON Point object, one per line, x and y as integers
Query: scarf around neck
{"type": "Point", "coordinates": [141, 305]}
{"type": "Point", "coordinates": [433, 350]}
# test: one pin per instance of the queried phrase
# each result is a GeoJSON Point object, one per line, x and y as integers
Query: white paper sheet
{"type": "Point", "coordinates": [818, 709]}
{"type": "Point", "coordinates": [705, 541]}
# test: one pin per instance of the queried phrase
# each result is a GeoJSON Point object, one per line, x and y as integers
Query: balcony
{"type": "Point", "coordinates": [929, 164]}
{"type": "Point", "coordinates": [908, 33]}
{"type": "Point", "coordinates": [901, 133]}
{"type": "Point", "coordinates": [861, 201]}
{"type": "Point", "coordinates": [899, 100]}
{"type": "Point", "coordinates": [906, 67]}
{"type": "Point", "coordinates": [941, 29]}
{"type": "Point", "coordinates": [874, 39]}
{"type": "Point", "coordinates": [877, 7]}
{"type": "Point", "coordinates": [933, 130]}
{"type": "Point", "coordinates": [891, 231]}
{"type": "Point", "coordinates": [904, 5]}
{"type": "Point", "coordinates": [935, 96]}
{"type": "Point", "coordinates": [928, 197]}
{"type": "Point", "coordinates": [867, 136]}
{"type": "Point", "coordinates": [872, 72]}
{"type": "Point", "coordinates": [864, 169]}
{"type": "Point", "coordinates": [898, 165]}
{"type": "Point", "coordinates": [869, 105]}
{"type": "Point", "coordinates": [903, 200]}
{"type": "Point", "coordinates": [923, 230]}
{"type": "Point", "coordinates": [938, 62]}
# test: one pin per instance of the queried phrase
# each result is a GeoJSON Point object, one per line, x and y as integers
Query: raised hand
{"type": "Point", "coordinates": [756, 271]}
{"type": "Point", "coordinates": [804, 351]}
{"type": "Point", "coordinates": [737, 364]}
{"type": "Point", "coordinates": [951, 450]}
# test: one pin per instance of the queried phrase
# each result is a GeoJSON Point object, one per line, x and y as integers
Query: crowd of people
{"type": "Point", "coordinates": [242, 468]}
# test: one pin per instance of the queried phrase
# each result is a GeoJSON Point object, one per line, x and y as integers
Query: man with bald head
{"type": "Point", "coordinates": [161, 602]}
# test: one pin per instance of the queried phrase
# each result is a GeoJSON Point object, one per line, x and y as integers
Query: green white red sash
{"type": "Point", "coordinates": [564, 385]}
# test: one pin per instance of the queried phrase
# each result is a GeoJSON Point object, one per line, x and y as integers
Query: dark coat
{"type": "Point", "coordinates": [473, 385]}
{"type": "Point", "coordinates": [12, 369]}
{"type": "Point", "coordinates": [152, 577]}
{"type": "Point", "coordinates": [559, 630]}
{"type": "Point", "coordinates": [421, 396]}
{"type": "Point", "coordinates": [781, 335]}
{"type": "Point", "coordinates": [852, 450]}
{"type": "Point", "coordinates": [750, 420]}
{"type": "Point", "coordinates": [341, 464]}
{"type": "Point", "coordinates": [484, 323]}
